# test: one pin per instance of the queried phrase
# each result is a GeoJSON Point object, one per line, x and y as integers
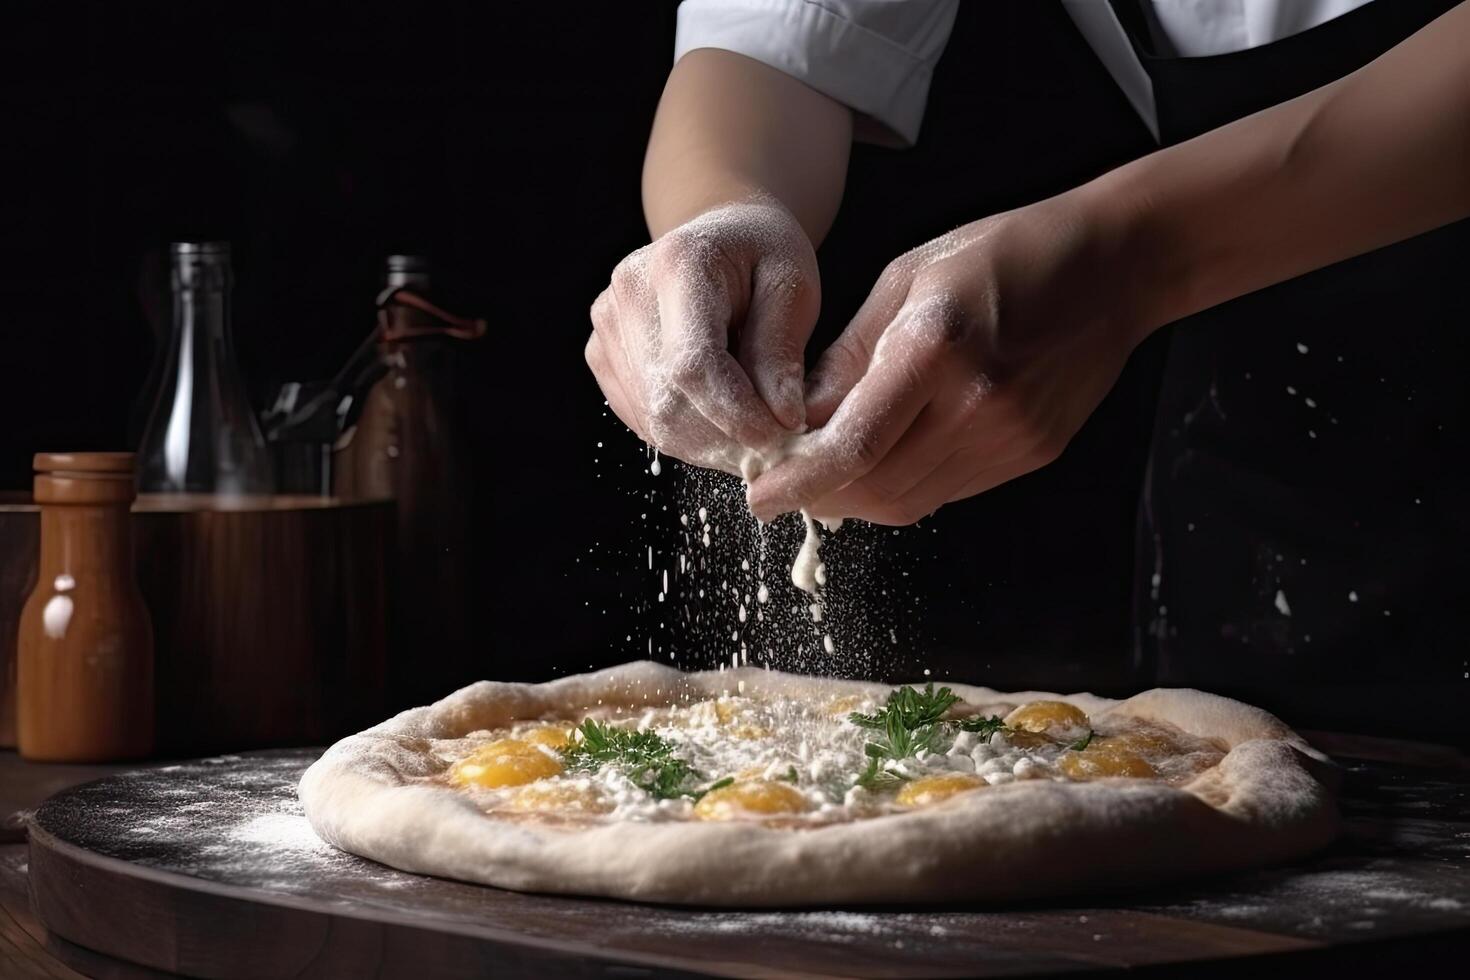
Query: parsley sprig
{"type": "Point", "coordinates": [912, 721]}
{"type": "Point", "coordinates": [646, 758]}
{"type": "Point", "coordinates": [984, 728]}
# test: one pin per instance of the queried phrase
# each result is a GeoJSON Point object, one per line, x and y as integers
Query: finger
{"type": "Point", "coordinates": [964, 418]}
{"type": "Point", "coordinates": [677, 429]}
{"type": "Point", "coordinates": [694, 325]}
{"type": "Point", "coordinates": [692, 438]}
{"type": "Point", "coordinates": [1010, 447]}
{"type": "Point", "coordinates": [608, 361]}
{"type": "Point", "coordinates": [875, 415]}
{"type": "Point", "coordinates": [719, 389]}
{"type": "Point", "coordinates": [842, 364]}
{"type": "Point", "coordinates": [784, 302]}
{"type": "Point", "coordinates": [624, 407]}
{"type": "Point", "coordinates": [962, 476]}
{"type": "Point", "coordinates": [928, 443]}
{"type": "Point", "coordinates": [659, 412]}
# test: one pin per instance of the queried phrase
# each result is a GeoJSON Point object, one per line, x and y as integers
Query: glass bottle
{"type": "Point", "coordinates": [202, 436]}
{"type": "Point", "coordinates": [84, 677]}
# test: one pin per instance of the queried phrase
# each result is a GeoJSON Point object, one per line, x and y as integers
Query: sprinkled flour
{"type": "Point", "coordinates": [744, 593]}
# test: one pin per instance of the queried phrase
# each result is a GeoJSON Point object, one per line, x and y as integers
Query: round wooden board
{"type": "Point", "coordinates": [209, 868]}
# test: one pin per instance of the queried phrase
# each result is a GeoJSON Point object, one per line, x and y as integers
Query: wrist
{"type": "Point", "coordinates": [667, 204]}
{"type": "Point", "coordinates": [1150, 275]}
{"type": "Point", "coordinates": [1113, 254]}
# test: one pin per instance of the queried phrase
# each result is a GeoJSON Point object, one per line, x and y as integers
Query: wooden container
{"type": "Point", "coordinates": [84, 651]}
{"type": "Point", "coordinates": [20, 549]}
{"type": "Point", "coordinates": [269, 615]}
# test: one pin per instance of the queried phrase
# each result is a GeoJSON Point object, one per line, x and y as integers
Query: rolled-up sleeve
{"type": "Point", "coordinates": [875, 56]}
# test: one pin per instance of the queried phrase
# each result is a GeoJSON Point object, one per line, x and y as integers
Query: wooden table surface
{"type": "Point", "coordinates": [25, 949]}
{"type": "Point", "coordinates": [1396, 890]}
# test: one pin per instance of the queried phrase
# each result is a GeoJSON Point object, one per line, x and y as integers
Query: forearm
{"type": "Point", "coordinates": [1376, 157]}
{"type": "Point", "coordinates": [729, 127]}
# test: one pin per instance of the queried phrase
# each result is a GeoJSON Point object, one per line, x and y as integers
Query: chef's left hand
{"type": "Point", "coordinates": [975, 359]}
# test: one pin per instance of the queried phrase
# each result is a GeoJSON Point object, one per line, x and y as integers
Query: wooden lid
{"type": "Point", "coordinates": [81, 464]}
{"type": "Point", "coordinates": [84, 478]}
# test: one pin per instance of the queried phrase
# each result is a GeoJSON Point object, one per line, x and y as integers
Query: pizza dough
{"type": "Point", "coordinates": [383, 794]}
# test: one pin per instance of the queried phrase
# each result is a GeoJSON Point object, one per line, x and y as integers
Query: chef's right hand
{"type": "Point", "coordinates": [698, 340]}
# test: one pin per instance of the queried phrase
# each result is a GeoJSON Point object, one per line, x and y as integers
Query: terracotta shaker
{"type": "Point", "coordinates": [85, 650]}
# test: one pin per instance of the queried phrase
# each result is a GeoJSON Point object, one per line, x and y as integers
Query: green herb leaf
{"type": "Point", "coordinates": [911, 707]}
{"type": "Point", "coordinates": [985, 728]}
{"type": "Point", "coordinates": [698, 795]}
{"type": "Point", "coordinates": [791, 775]}
{"type": "Point", "coordinates": [876, 778]}
{"type": "Point", "coordinates": [1083, 742]}
{"type": "Point", "coordinates": [910, 722]}
{"type": "Point", "coordinates": [646, 758]}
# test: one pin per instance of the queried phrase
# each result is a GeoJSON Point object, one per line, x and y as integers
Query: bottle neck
{"type": "Point", "coordinates": [86, 541]}
{"type": "Point", "coordinates": [201, 286]}
{"type": "Point", "coordinates": [417, 281]}
{"type": "Point", "coordinates": [202, 312]}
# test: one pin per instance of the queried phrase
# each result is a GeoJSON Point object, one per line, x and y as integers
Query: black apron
{"type": "Point", "coordinates": [1305, 518]}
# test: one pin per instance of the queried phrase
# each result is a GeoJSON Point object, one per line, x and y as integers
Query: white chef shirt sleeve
{"type": "Point", "coordinates": [874, 56]}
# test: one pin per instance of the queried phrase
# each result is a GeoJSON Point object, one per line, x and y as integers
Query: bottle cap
{"type": "Point", "coordinates": [84, 478]}
{"type": "Point", "coordinates": [405, 271]}
{"type": "Point", "coordinates": [201, 249]}
{"type": "Point", "coordinates": [200, 265]}
{"type": "Point", "coordinates": [83, 463]}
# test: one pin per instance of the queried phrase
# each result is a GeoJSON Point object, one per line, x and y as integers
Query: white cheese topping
{"type": "Point", "coordinates": [813, 747]}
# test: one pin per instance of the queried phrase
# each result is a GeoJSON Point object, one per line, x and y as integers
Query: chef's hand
{"type": "Point", "coordinates": [974, 360]}
{"type": "Point", "coordinates": [698, 341]}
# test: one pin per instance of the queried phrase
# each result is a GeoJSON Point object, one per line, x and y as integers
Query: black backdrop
{"type": "Point", "coordinates": [506, 141]}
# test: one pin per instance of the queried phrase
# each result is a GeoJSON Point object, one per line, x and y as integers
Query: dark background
{"type": "Point", "coordinates": [506, 140]}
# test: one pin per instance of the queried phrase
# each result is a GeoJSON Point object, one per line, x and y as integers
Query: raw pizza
{"type": "Point", "coordinates": [756, 788]}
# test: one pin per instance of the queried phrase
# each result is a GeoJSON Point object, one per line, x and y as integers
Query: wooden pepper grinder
{"type": "Point", "coordinates": [84, 679]}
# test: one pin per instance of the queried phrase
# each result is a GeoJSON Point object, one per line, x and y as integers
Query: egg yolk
{"type": "Point", "coordinates": [1022, 739]}
{"type": "Point", "coordinates": [755, 798]}
{"type": "Point", "coordinates": [551, 736]}
{"type": "Point", "coordinates": [1041, 716]}
{"type": "Point", "coordinates": [1103, 758]}
{"type": "Point", "coordinates": [1145, 741]}
{"type": "Point", "coordinates": [928, 790]}
{"type": "Point", "coordinates": [504, 762]}
{"type": "Point", "coordinates": [846, 704]}
{"type": "Point", "coordinates": [560, 796]}
{"type": "Point", "coordinates": [727, 710]}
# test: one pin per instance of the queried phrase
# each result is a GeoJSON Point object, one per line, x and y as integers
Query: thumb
{"type": "Point", "coordinates": [846, 361]}
{"type": "Point", "coordinates": [785, 297]}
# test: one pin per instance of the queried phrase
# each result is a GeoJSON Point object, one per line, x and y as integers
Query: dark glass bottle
{"type": "Point", "coordinates": [406, 441]}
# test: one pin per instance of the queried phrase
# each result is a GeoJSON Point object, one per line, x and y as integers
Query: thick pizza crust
{"type": "Point", "coordinates": [1268, 800]}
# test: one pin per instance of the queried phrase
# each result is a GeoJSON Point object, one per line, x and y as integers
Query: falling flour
{"type": "Point", "coordinates": [807, 571]}
{"type": "Point", "coordinates": [724, 592]}
{"type": "Point", "coordinates": [804, 568]}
